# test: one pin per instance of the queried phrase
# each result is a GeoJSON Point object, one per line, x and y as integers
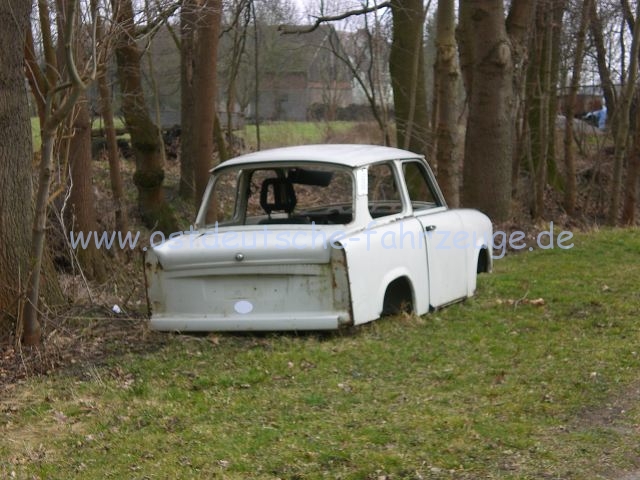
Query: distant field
{"type": "Point", "coordinates": [534, 378]}
{"type": "Point", "coordinates": [35, 133]}
{"type": "Point", "coordinates": [272, 134]}
{"type": "Point", "coordinates": [280, 134]}
{"type": "Point", "coordinates": [35, 130]}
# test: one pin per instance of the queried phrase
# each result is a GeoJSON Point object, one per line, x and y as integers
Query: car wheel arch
{"type": "Point", "coordinates": [483, 263]}
{"type": "Point", "coordinates": [399, 296]}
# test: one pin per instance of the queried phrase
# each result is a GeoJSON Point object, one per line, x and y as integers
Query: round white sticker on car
{"type": "Point", "coordinates": [243, 306]}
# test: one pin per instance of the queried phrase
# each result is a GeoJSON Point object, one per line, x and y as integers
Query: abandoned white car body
{"type": "Point", "coordinates": [316, 237]}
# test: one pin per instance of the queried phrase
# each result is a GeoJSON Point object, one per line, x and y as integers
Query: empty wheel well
{"type": "Point", "coordinates": [483, 261]}
{"type": "Point", "coordinates": [398, 297]}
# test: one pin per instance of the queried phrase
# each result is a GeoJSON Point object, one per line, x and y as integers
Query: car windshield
{"type": "Point", "coordinates": [281, 194]}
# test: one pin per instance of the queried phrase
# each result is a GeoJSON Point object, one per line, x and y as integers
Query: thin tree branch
{"type": "Point", "coordinates": [287, 29]}
{"type": "Point", "coordinates": [628, 14]}
{"type": "Point", "coordinates": [161, 19]}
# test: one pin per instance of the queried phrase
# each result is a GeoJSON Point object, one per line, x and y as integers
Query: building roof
{"type": "Point", "coordinates": [347, 155]}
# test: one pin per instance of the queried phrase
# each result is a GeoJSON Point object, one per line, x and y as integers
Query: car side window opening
{"type": "Point", "coordinates": [421, 192]}
{"type": "Point", "coordinates": [221, 204]}
{"type": "Point", "coordinates": [384, 194]}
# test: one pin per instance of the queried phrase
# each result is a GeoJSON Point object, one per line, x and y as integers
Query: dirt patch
{"type": "Point", "coordinates": [612, 414]}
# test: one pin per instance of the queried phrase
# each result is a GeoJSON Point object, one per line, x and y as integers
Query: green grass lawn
{"type": "Point", "coordinates": [535, 377]}
{"type": "Point", "coordinates": [272, 134]}
{"type": "Point", "coordinates": [280, 134]}
{"type": "Point", "coordinates": [35, 130]}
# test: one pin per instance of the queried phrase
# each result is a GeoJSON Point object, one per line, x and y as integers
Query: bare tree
{"type": "Point", "coordinates": [16, 152]}
{"type": "Point", "coordinates": [447, 81]}
{"type": "Point", "coordinates": [406, 65]}
{"type": "Point", "coordinates": [366, 56]}
{"type": "Point", "coordinates": [81, 214]}
{"type": "Point", "coordinates": [491, 55]}
{"type": "Point", "coordinates": [622, 122]}
{"type": "Point", "coordinates": [188, 19]}
{"type": "Point", "coordinates": [205, 84]}
{"type": "Point", "coordinates": [145, 138]}
{"type": "Point", "coordinates": [597, 35]}
{"type": "Point", "coordinates": [633, 166]}
{"type": "Point", "coordinates": [541, 93]}
{"type": "Point", "coordinates": [200, 31]}
{"type": "Point", "coordinates": [570, 184]}
{"type": "Point", "coordinates": [106, 111]}
{"type": "Point", "coordinates": [68, 92]}
{"type": "Point", "coordinates": [238, 32]}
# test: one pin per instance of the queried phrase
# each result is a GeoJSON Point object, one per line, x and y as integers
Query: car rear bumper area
{"type": "Point", "coordinates": [203, 323]}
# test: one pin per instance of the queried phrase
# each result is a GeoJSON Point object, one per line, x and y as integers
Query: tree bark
{"type": "Point", "coordinates": [35, 76]}
{"type": "Point", "coordinates": [595, 27]}
{"type": "Point", "coordinates": [447, 73]}
{"type": "Point", "coordinates": [73, 86]}
{"type": "Point", "coordinates": [113, 153]}
{"type": "Point", "coordinates": [570, 184]}
{"type": "Point", "coordinates": [622, 123]}
{"type": "Point", "coordinates": [145, 138]}
{"type": "Point", "coordinates": [81, 198]}
{"type": "Point", "coordinates": [539, 92]}
{"type": "Point", "coordinates": [81, 211]}
{"type": "Point", "coordinates": [631, 179]}
{"type": "Point", "coordinates": [200, 27]}
{"type": "Point", "coordinates": [406, 67]}
{"type": "Point", "coordinates": [492, 55]}
{"type": "Point", "coordinates": [633, 167]}
{"type": "Point", "coordinates": [558, 9]}
{"type": "Point", "coordinates": [188, 17]}
{"type": "Point", "coordinates": [16, 154]}
{"type": "Point", "coordinates": [205, 85]}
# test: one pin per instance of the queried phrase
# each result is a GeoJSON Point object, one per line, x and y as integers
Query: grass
{"type": "Point", "coordinates": [279, 134]}
{"type": "Point", "coordinates": [504, 385]}
{"type": "Point", "coordinates": [35, 133]}
{"type": "Point", "coordinates": [272, 134]}
{"type": "Point", "coordinates": [35, 130]}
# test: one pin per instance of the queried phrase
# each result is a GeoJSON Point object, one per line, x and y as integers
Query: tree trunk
{"type": "Point", "coordinates": [188, 17]}
{"type": "Point", "coordinates": [538, 102]}
{"type": "Point", "coordinates": [488, 144]}
{"type": "Point", "coordinates": [35, 76]}
{"type": "Point", "coordinates": [16, 154]}
{"type": "Point", "coordinates": [622, 123]}
{"type": "Point", "coordinates": [631, 179]}
{"type": "Point", "coordinates": [492, 53]}
{"type": "Point", "coordinates": [241, 9]}
{"type": "Point", "coordinates": [595, 27]}
{"type": "Point", "coordinates": [447, 74]}
{"type": "Point", "coordinates": [205, 82]}
{"type": "Point", "coordinates": [571, 188]}
{"type": "Point", "coordinates": [75, 86]}
{"type": "Point", "coordinates": [81, 199]}
{"type": "Point", "coordinates": [145, 138]}
{"type": "Point", "coordinates": [119, 209]}
{"type": "Point", "coordinates": [406, 66]}
{"type": "Point", "coordinates": [81, 211]}
{"type": "Point", "coordinates": [558, 9]}
{"type": "Point", "coordinates": [633, 167]}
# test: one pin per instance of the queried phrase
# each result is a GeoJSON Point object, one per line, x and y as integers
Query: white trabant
{"type": "Point", "coordinates": [316, 237]}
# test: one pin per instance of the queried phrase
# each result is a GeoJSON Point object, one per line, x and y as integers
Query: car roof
{"type": "Point", "coordinates": [347, 155]}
